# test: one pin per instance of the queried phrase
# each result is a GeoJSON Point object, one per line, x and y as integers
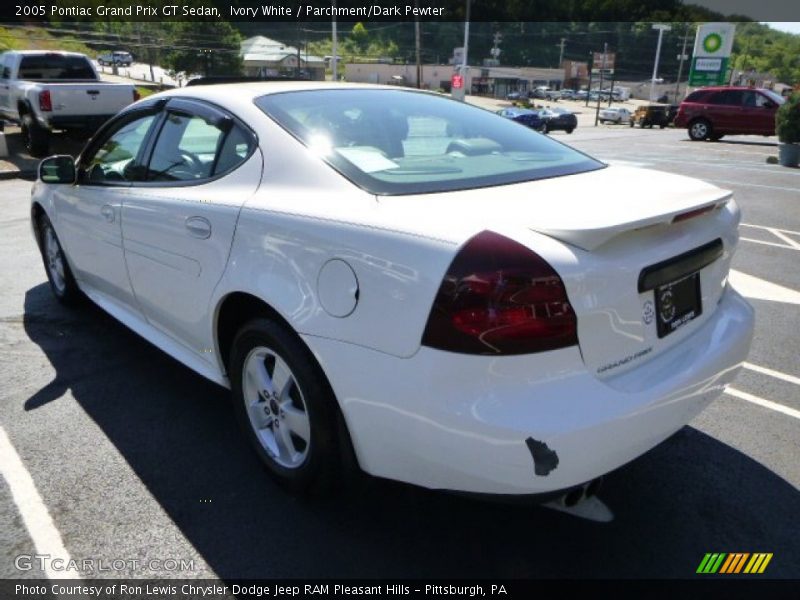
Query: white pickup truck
{"type": "Point", "coordinates": [47, 91]}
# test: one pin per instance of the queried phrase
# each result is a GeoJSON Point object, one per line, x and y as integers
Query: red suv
{"type": "Point", "coordinates": [709, 113]}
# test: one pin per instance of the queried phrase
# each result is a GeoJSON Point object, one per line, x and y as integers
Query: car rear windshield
{"type": "Point", "coordinates": [393, 142]}
{"type": "Point", "coordinates": [55, 66]}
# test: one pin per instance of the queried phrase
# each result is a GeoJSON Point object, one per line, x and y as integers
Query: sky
{"type": "Point", "coordinates": [785, 26]}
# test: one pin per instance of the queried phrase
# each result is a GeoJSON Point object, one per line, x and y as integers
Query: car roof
{"type": "Point", "coordinates": [722, 88]}
{"type": "Point", "coordinates": [42, 52]}
{"type": "Point", "coordinates": [238, 94]}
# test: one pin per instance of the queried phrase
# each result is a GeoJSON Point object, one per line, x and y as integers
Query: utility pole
{"type": "Point", "coordinates": [464, 59]}
{"type": "Point", "coordinates": [561, 52]}
{"type": "Point", "coordinates": [335, 58]}
{"type": "Point", "coordinates": [661, 29]}
{"type": "Point", "coordinates": [589, 90]}
{"type": "Point", "coordinates": [417, 43]}
{"type": "Point", "coordinates": [680, 64]}
{"type": "Point", "coordinates": [600, 89]}
{"type": "Point", "coordinates": [613, 81]}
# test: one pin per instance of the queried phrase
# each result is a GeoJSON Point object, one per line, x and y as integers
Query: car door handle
{"type": "Point", "coordinates": [108, 212]}
{"type": "Point", "coordinates": [198, 227]}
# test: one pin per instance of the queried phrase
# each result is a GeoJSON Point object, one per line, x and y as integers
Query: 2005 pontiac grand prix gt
{"type": "Point", "coordinates": [449, 297]}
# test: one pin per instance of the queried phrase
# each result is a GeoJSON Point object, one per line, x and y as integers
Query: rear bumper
{"type": "Point", "coordinates": [524, 424]}
{"type": "Point", "coordinates": [87, 122]}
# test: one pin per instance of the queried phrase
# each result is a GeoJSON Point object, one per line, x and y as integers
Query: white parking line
{"type": "Point", "coordinates": [777, 233]}
{"type": "Point", "coordinates": [760, 289]}
{"type": "Point", "coordinates": [772, 373]}
{"type": "Point", "coordinates": [763, 243]}
{"type": "Point", "coordinates": [758, 185]}
{"type": "Point", "coordinates": [34, 513]}
{"type": "Point", "coordinates": [763, 402]}
{"type": "Point", "coordinates": [770, 229]}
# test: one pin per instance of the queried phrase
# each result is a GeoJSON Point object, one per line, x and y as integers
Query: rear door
{"type": "Point", "coordinates": [727, 112]}
{"type": "Point", "coordinates": [178, 224]}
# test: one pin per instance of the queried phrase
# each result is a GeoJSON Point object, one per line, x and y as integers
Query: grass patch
{"type": "Point", "coordinates": [36, 38]}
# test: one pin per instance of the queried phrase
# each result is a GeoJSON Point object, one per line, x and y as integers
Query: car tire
{"type": "Point", "coordinates": [699, 130]}
{"type": "Point", "coordinates": [545, 129]}
{"type": "Point", "coordinates": [59, 275]}
{"type": "Point", "coordinates": [570, 130]}
{"type": "Point", "coordinates": [716, 137]}
{"type": "Point", "coordinates": [36, 138]}
{"type": "Point", "coordinates": [276, 422]}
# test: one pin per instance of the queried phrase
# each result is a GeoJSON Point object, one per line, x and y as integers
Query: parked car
{"type": "Point", "coordinates": [513, 96]}
{"type": "Point", "coordinates": [383, 277]}
{"type": "Point", "coordinates": [581, 95]}
{"type": "Point", "coordinates": [568, 94]}
{"type": "Point", "coordinates": [47, 91]}
{"type": "Point", "coordinates": [529, 118]}
{"type": "Point", "coordinates": [554, 119]}
{"type": "Point", "coordinates": [649, 115]}
{"type": "Point", "coordinates": [545, 93]}
{"type": "Point", "coordinates": [118, 57]}
{"type": "Point", "coordinates": [615, 114]}
{"type": "Point", "coordinates": [712, 112]}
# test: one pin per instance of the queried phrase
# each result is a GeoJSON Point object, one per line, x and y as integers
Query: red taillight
{"type": "Point", "coordinates": [693, 213]}
{"type": "Point", "coordinates": [136, 95]}
{"type": "Point", "coordinates": [499, 297]}
{"type": "Point", "coordinates": [45, 102]}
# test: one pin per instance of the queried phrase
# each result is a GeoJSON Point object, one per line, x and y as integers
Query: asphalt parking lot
{"type": "Point", "coordinates": [138, 459]}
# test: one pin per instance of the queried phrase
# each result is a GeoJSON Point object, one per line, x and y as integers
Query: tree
{"type": "Point", "coordinates": [207, 47]}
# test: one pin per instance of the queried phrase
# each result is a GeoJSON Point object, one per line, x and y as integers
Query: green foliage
{"type": "Point", "coordinates": [787, 120]}
{"type": "Point", "coordinates": [36, 38]}
{"type": "Point", "coordinates": [204, 47]}
{"type": "Point", "coordinates": [360, 44]}
{"type": "Point", "coordinates": [759, 48]}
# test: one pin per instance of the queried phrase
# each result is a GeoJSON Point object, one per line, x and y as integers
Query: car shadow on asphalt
{"type": "Point", "coordinates": [27, 164]}
{"type": "Point", "coordinates": [690, 495]}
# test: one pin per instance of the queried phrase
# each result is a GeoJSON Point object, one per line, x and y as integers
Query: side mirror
{"type": "Point", "coordinates": [57, 169]}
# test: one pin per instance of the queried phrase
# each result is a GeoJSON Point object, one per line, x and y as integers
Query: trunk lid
{"type": "Point", "coordinates": [617, 223]}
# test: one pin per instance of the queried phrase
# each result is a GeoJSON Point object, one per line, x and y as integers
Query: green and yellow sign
{"type": "Point", "coordinates": [712, 51]}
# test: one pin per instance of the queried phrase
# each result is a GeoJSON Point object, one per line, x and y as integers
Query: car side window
{"type": "Point", "coordinates": [728, 98]}
{"type": "Point", "coordinates": [761, 101]}
{"type": "Point", "coordinates": [116, 160]}
{"type": "Point", "coordinates": [190, 148]}
{"type": "Point", "coordinates": [749, 99]}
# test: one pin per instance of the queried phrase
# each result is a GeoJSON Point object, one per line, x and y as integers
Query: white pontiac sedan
{"type": "Point", "coordinates": [390, 276]}
{"type": "Point", "coordinates": [616, 115]}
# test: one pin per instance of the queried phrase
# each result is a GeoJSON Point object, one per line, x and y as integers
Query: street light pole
{"type": "Point", "coordinates": [661, 27]}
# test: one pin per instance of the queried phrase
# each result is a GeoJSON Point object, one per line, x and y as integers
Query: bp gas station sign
{"type": "Point", "coordinates": [712, 52]}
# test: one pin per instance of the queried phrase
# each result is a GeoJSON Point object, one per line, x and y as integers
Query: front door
{"type": "Point", "coordinates": [89, 213]}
